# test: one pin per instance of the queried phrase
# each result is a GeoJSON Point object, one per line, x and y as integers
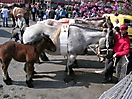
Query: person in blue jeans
{"type": "Point", "coordinates": [4, 13]}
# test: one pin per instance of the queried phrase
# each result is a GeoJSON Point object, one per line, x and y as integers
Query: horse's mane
{"type": "Point", "coordinates": [36, 41]}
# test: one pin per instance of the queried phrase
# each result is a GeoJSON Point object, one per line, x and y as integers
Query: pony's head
{"type": "Point", "coordinates": [49, 45]}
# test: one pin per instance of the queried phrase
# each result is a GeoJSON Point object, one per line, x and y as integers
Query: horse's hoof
{"type": "Point", "coordinates": [29, 84]}
{"type": "Point", "coordinates": [34, 72]}
{"type": "Point", "coordinates": [9, 79]}
{"type": "Point", "coordinates": [8, 82]}
{"type": "Point", "coordinates": [69, 80]}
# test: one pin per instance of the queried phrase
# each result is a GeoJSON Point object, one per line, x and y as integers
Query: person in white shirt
{"type": "Point", "coordinates": [4, 13]}
{"type": "Point", "coordinates": [47, 13]}
{"type": "Point", "coordinates": [116, 23]}
{"type": "Point", "coordinates": [21, 24]}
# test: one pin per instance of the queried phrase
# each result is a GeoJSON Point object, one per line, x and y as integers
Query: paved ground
{"type": "Point", "coordinates": [49, 82]}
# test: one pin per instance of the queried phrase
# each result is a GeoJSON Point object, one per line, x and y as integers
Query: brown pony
{"type": "Point", "coordinates": [21, 53]}
{"type": "Point", "coordinates": [24, 12]}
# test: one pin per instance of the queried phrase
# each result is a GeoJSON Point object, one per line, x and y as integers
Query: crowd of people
{"type": "Point", "coordinates": [49, 12]}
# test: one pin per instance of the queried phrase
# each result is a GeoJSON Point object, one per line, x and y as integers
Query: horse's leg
{"type": "Point", "coordinates": [71, 59]}
{"type": "Point", "coordinates": [44, 57]}
{"type": "Point", "coordinates": [69, 77]}
{"type": "Point", "coordinates": [6, 77]}
{"type": "Point", "coordinates": [29, 69]}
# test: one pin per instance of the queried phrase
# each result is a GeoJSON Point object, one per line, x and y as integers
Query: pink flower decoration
{"type": "Point", "coordinates": [116, 13]}
{"type": "Point", "coordinates": [94, 9]}
{"type": "Point", "coordinates": [100, 8]}
{"type": "Point", "coordinates": [108, 3]}
{"type": "Point", "coordinates": [102, 11]}
{"type": "Point", "coordinates": [74, 12]}
{"type": "Point", "coordinates": [76, 16]}
{"type": "Point", "coordinates": [72, 0]}
{"type": "Point", "coordinates": [114, 8]}
{"type": "Point", "coordinates": [81, 10]}
{"type": "Point", "coordinates": [124, 13]}
{"type": "Point", "coordinates": [84, 17]}
{"type": "Point", "coordinates": [86, 13]}
{"type": "Point", "coordinates": [76, 6]}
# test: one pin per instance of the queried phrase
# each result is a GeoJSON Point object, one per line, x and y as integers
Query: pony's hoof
{"type": "Point", "coordinates": [29, 84]}
{"type": "Point", "coordinates": [8, 82]}
{"type": "Point", "coordinates": [44, 58]}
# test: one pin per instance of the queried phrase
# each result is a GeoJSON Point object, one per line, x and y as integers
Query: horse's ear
{"type": "Point", "coordinates": [45, 35]}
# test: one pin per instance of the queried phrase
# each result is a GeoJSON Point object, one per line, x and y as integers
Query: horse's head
{"type": "Point", "coordinates": [106, 45]}
{"type": "Point", "coordinates": [49, 45]}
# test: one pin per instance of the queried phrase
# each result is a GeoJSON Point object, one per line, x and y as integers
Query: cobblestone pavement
{"type": "Point", "coordinates": [49, 83]}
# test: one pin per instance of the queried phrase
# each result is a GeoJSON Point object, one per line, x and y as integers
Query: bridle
{"type": "Point", "coordinates": [98, 50]}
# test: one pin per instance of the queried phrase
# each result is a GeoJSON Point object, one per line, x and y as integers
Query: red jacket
{"type": "Point", "coordinates": [122, 45]}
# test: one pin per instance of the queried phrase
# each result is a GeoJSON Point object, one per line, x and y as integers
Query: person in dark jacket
{"type": "Point", "coordinates": [40, 13]}
{"type": "Point", "coordinates": [52, 13]}
{"type": "Point", "coordinates": [33, 11]}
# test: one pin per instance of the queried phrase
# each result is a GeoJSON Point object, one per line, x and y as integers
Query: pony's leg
{"type": "Point", "coordinates": [71, 58]}
{"type": "Point", "coordinates": [29, 69]}
{"type": "Point", "coordinates": [25, 69]}
{"type": "Point", "coordinates": [6, 77]}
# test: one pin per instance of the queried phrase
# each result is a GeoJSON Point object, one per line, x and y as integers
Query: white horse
{"type": "Point", "coordinates": [70, 39]}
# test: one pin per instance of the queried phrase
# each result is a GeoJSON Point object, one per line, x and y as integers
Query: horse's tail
{"type": "Point", "coordinates": [56, 36]}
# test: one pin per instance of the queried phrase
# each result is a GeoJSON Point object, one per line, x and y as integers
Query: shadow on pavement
{"type": "Point", "coordinates": [4, 33]}
{"type": "Point", "coordinates": [81, 63]}
{"type": "Point", "coordinates": [82, 78]}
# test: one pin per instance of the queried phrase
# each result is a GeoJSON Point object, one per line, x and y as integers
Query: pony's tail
{"type": "Point", "coordinates": [55, 40]}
